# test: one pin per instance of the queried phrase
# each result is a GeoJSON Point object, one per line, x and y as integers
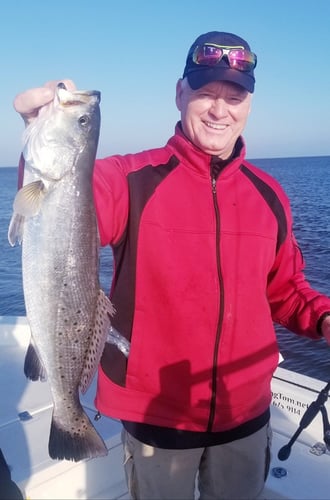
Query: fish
{"type": "Point", "coordinates": [54, 220]}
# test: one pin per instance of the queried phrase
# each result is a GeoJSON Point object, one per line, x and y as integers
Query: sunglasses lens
{"type": "Point", "coordinates": [240, 59]}
{"type": "Point", "coordinates": [243, 60]}
{"type": "Point", "coordinates": [207, 54]}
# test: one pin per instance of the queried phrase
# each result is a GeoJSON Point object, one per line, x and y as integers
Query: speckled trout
{"type": "Point", "coordinates": [54, 218]}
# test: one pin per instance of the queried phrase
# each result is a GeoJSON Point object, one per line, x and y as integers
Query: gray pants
{"type": "Point", "coordinates": [236, 470]}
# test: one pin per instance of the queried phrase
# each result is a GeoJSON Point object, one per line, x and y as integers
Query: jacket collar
{"type": "Point", "coordinates": [201, 162]}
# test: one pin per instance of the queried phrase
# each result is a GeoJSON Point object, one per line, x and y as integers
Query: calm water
{"type": "Point", "coordinates": [306, 181]}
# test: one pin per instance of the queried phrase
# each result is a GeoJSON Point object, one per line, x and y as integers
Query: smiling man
{"type": "Point", "coordinates": [213, 116]}
{"type": "Point", "coordinates": [214, 95]}
{"type": "Point", "coordinates": [205, 262]}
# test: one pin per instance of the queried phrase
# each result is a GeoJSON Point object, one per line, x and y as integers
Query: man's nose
{"type": "Point", "coordinates": [218, 108]}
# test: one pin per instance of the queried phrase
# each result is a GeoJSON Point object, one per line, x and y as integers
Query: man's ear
{"type": "Point", "coordinates": [178, 95]}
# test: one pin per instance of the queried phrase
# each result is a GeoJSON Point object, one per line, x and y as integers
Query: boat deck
{"type": "Point", "coordinates": [25, 416]}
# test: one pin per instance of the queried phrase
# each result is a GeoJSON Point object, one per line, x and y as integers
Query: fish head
{"type": "Point", "coordinates": [66, 128]}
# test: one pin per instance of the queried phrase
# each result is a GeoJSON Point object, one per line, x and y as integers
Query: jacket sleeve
{"type": "Point", "coordinates": [111, 199]}
{"type": "Point", "coordinates": [294, 303]}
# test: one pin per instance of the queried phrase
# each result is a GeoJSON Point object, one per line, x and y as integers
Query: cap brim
{"type": "Point", "coordinates": [197, 78]}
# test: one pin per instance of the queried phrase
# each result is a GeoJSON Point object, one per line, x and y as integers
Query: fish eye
{"type": "Point", "coordinates": [83, 120]}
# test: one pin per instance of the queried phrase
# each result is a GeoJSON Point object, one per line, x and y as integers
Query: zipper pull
{"type": "Point", "coordinates": [214, 185]}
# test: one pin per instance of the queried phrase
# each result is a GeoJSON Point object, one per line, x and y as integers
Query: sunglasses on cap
{"type": "Point", "coordinates": [210, 54]}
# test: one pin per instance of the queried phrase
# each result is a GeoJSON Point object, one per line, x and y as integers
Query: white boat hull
{"type": "Point", "coordinates": [25, 416]}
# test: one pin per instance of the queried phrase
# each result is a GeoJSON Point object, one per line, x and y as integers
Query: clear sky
{"type": "Point", "coordinates": [133, 51]}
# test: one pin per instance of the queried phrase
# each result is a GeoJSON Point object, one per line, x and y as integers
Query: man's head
{"type": "Point", "coordinates": [214, 95]}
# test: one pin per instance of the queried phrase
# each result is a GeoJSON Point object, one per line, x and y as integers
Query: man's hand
{"type": "Point", "coordinates": [325, 327]}
{"type": "Point", "coordinates": [28, 103]}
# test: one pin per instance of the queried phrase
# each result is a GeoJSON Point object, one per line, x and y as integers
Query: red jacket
{"type": "Point", "coordinates": [203, 266]}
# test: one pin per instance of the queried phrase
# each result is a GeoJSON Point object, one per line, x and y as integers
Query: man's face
{"type": "Point", "coordinates": [214, 116]}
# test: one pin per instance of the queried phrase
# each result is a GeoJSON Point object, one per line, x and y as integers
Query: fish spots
{"type": "Point", "coordinates": [97, 335]}
{"type": "Point", "coordinates": [69, 286]}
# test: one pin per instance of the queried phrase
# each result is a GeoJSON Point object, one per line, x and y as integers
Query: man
{"type": "Point", "coordinates": [205, 261]}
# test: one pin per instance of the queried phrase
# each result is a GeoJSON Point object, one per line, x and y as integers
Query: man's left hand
{"type": "Point", "coordinates": [325, 327]}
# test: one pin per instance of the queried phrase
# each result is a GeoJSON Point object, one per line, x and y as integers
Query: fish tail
{"type": "Point", "coordinates": [78, 442]}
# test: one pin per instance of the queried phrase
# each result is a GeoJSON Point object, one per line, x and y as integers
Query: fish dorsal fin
{"type": "Point", "coordinates": [29, 198]}
{"type": "Point", "coordinates": [104, 310]}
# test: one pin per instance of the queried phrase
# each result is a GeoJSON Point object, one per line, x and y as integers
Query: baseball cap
{"type": "Point", "coordinates": [200, 74]}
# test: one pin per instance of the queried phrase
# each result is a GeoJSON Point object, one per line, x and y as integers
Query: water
{"type": "Point", "coordinates": [306, 180]}
{"type": "Point", "coordinates": [11, 291]}
{"type": "Point", "coordinates": [307, 183]}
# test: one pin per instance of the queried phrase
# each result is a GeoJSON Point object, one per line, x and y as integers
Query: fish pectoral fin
{"type": "Point", "coordinates": [104, 310]}
{"type": "Point", "coordinates": [27, 203]}
{"type": "Point", "coordinates": [29, 198]}
{"type": "Point", "coordinates": [15, 230]}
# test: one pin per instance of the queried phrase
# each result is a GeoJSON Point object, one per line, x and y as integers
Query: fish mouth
{"type": "Point", "coordinates": [76, 97]}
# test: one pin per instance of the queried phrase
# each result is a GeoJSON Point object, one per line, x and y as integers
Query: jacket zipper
{"type": "Point", "coordinates": [221, 310]}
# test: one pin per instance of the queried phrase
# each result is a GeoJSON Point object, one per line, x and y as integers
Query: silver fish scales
{"type": "Point", "coordinates": [55, 220]}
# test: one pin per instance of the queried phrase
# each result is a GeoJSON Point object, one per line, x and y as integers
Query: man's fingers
{"type": "Point", "coordinates": [27, 103]}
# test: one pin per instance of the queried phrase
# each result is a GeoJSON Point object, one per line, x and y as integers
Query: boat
{"type": "Point", "coordinates": [299, 408]}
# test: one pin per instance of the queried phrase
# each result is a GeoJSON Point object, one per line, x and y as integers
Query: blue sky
{"type": "Point", "coordinates": [133, 51]}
